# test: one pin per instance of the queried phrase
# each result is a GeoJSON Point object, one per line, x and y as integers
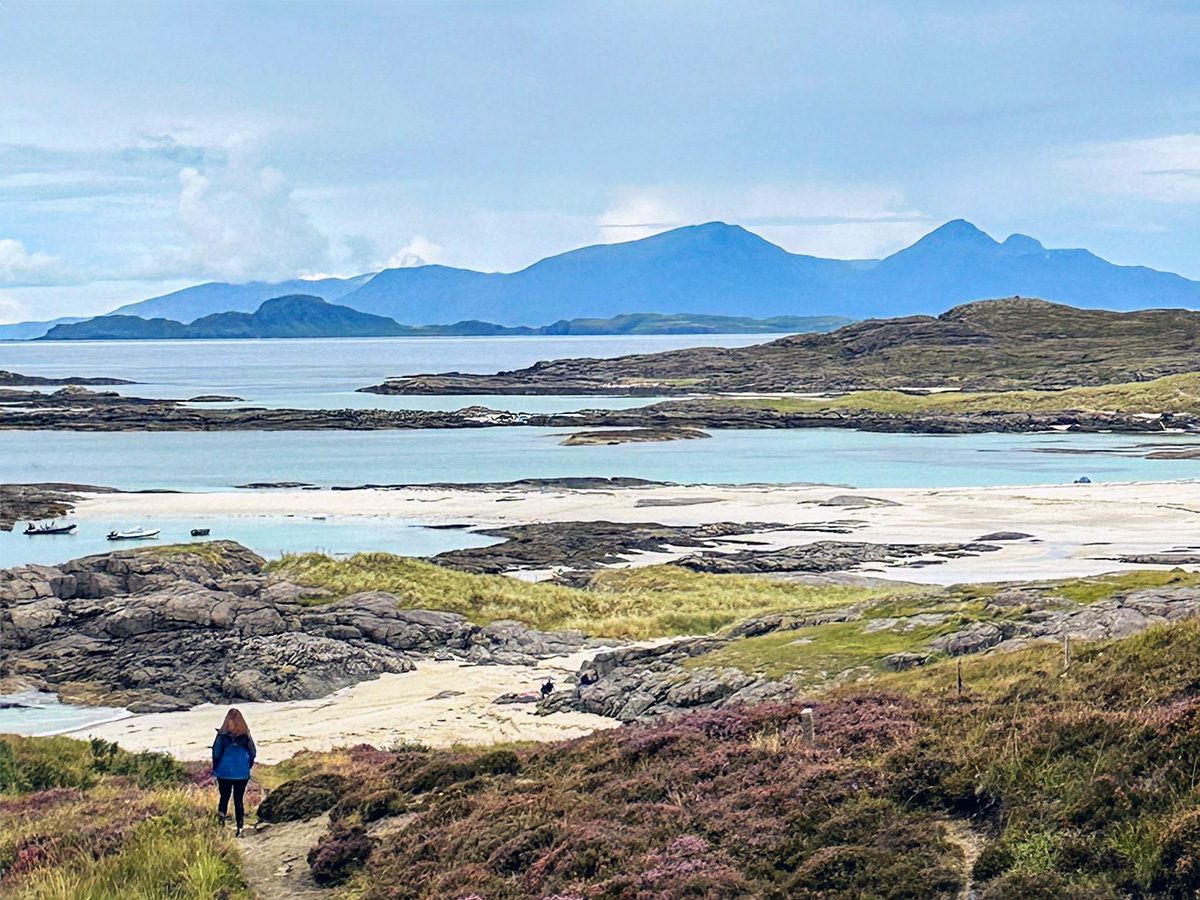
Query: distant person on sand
{"type": "Point", "coordinates": [548, 688]}
{"type": "Point", "coordinates": [233, 755]}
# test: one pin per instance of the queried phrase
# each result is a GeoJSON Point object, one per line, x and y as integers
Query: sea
{"type": "Point", "coordinates": [326, 373]}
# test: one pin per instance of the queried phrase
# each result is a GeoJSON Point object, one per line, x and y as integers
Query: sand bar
{"type": "Point", "coordinates": [1077, 528]}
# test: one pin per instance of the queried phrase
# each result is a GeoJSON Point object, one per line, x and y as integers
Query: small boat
{"type": "Point", "coordinates": [200, 532]}
{"type": "Point", "coordinates": [49, 528]}
{"type": "Point", "coordinates": [133, 534]}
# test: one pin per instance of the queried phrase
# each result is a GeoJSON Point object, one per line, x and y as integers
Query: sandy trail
{"type": "Point", "coordinates": [1077, 527]}
{"type": "Point", "coordinates": [440, 704]}
{"type": "Point", "coordinates": [275, 860]}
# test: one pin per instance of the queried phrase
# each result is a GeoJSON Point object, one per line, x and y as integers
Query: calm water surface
{"type": "Point", "coordinates": [314, 374]}
{"type": "Point", "coordinates": [324, 374]}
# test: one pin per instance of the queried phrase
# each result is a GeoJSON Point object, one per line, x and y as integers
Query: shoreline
{"type": "Point", "coordinates": [440, 704]}
{"type": "Point", "coordinates": [1075, 529]}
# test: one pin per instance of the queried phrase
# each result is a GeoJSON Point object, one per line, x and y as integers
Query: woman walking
{"type": "Point", "coordinates": [233, 754]}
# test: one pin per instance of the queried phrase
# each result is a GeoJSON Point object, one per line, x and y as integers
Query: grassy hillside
{"type": "Point", "coordinates": [1036, 781]}
{"type": "Point", "coordinates": [1169, 394]}
{"type": "Point", "coordinates": [646, 602]}
{"type": "Point", "coordinates": [1033, 783]}
{"type": "Point", "coordinates": [994, 345]}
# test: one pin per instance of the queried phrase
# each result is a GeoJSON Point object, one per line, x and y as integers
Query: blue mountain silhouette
{"type": "Point", "coordinates": [720, 269]}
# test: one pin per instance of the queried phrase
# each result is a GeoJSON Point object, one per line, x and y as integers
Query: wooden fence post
{"type": "Point", "coordinates": [808, 727]}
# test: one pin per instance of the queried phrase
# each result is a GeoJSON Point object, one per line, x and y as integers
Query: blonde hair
{"type": "Point", "coordinates": [235, 723]}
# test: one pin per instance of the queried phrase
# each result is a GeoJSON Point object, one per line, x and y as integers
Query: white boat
{"type": "Point", "coordinates": [133, 534]}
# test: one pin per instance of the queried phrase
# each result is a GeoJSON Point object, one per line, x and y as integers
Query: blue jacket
{"type": "Point", "coordinates": [233, 755]}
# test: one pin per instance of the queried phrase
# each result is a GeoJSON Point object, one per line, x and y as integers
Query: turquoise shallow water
{"type": "Point", "coordinates": [269, 536]}
{"type": "Point", "coordinates": [35, 712]}
{"type": "Point", "coordinates": [221, 460]}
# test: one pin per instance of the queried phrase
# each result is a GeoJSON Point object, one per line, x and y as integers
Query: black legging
{"type": "Point", "coordinates": [237, 787]}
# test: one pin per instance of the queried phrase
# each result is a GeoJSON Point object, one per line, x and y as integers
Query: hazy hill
{"type": "Point", "coordinates": [214, 297]}
{"type": "Point", "coordinates": [27, 331]}
{"type": "Point", "coordinates": [302, 316]}
{"type": "Point", "coordinates": [289, 317]}
{"type": "Point", "coordinates": [992, 345]}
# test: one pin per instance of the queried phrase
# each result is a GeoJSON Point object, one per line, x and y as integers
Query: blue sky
{"type": "Point", "coordinates": [145, 146]}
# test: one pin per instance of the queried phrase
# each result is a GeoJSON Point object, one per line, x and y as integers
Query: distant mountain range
{"type": "Point", "coordinates": [191, 303]}
{"type": "Point", "coordinates": [709, 270]}
{"type": "Point", "coordinates": [302, 316]}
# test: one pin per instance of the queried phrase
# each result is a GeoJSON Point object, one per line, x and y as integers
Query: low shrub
{"type": "Point", "coordinates": [339, 855]}
{"type": "Point", "coordinates": [303, 798]}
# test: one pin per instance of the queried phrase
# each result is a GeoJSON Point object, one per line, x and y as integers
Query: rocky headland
{"type": "Point", "coordinates": [16, 379]}
{"type": "Point", "coordinates": [168, 628]}
{"type": "Point", "coordinates": [40, 501]}
{"type": "Point", "coordinates": [79, 409]}
{"type": "Point", "coordinates": [990, 345]}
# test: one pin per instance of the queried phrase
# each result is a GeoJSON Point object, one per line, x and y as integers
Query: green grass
{"type": "Point", "coordinates": [87, 820]}
{"type": "Point", "coordinates": [636, 603]}
{"type": "Point", "coordinates": [176, 852]}
{"type": "Point", "coordinates": [1101, 587]}
{"type": "Point", "coordinates": [1170, 394]}
{"type": "Point", "coordinates": [814, 656]}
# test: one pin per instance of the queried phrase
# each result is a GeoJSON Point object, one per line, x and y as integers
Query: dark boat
{"type": "Point", "coordinates": [49, 528]}
{"type": "Point", "coordinates": [199, 532]}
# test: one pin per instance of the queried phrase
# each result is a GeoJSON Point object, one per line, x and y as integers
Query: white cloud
{"type": "Point", "coordinates": [240, 222]}
{"type": "Point", "coordinates": [418, 252]}
{"type": "Point", "coordinates": [846, 221]}
{"type": "Point", "coordinates": [19, 267]}
{"type": "Point", "coordinates": [640, 214]}
{"type": "Point", "coordinates": [1161, 170]}
{"type": "Point", "coordinates": [12, 311]}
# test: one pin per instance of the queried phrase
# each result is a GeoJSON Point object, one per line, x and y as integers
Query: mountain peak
{"type": "Point", "coordinates": [957, 233]}
{"type": "Point", "coordinates": [1022, 245]}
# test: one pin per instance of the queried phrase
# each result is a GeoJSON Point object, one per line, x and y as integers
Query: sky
{"type": "Point", "coordinates": [148, 146]}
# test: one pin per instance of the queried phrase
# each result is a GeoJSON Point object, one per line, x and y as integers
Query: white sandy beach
{"type": "Point", "coordinates": [1077, 528]}
{"type": "Point", "coordinates": [440, 704]}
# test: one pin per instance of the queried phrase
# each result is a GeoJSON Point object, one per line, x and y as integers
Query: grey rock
{"type": "Point", "coordinates": [975, 638]}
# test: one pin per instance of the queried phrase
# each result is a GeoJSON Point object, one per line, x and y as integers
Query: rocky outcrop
{"type": "Point", "coordinates": [79, 409]}
{"type": "Point", "coordinates": [632, 436]}
{"type": "Point", "coordinates": [638, 684]}
{"type": "Point", "coordinates": [31, 502]}
{"type": "Point", "coordinates": [1119, 617]}
{"type": "Point", "coordinates": [828, 556]}
{"type": "Point", "coordinates": [168, 628]}
{"type": "Point", "coordinates": [16, 379]}
{"type": "Point", "coordinates": [579, 548]}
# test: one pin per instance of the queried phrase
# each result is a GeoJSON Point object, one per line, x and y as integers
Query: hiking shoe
{"type": "Point", "coordinates": [222, 819]}
{"type": "Point", "coordinates": [238, 833]}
